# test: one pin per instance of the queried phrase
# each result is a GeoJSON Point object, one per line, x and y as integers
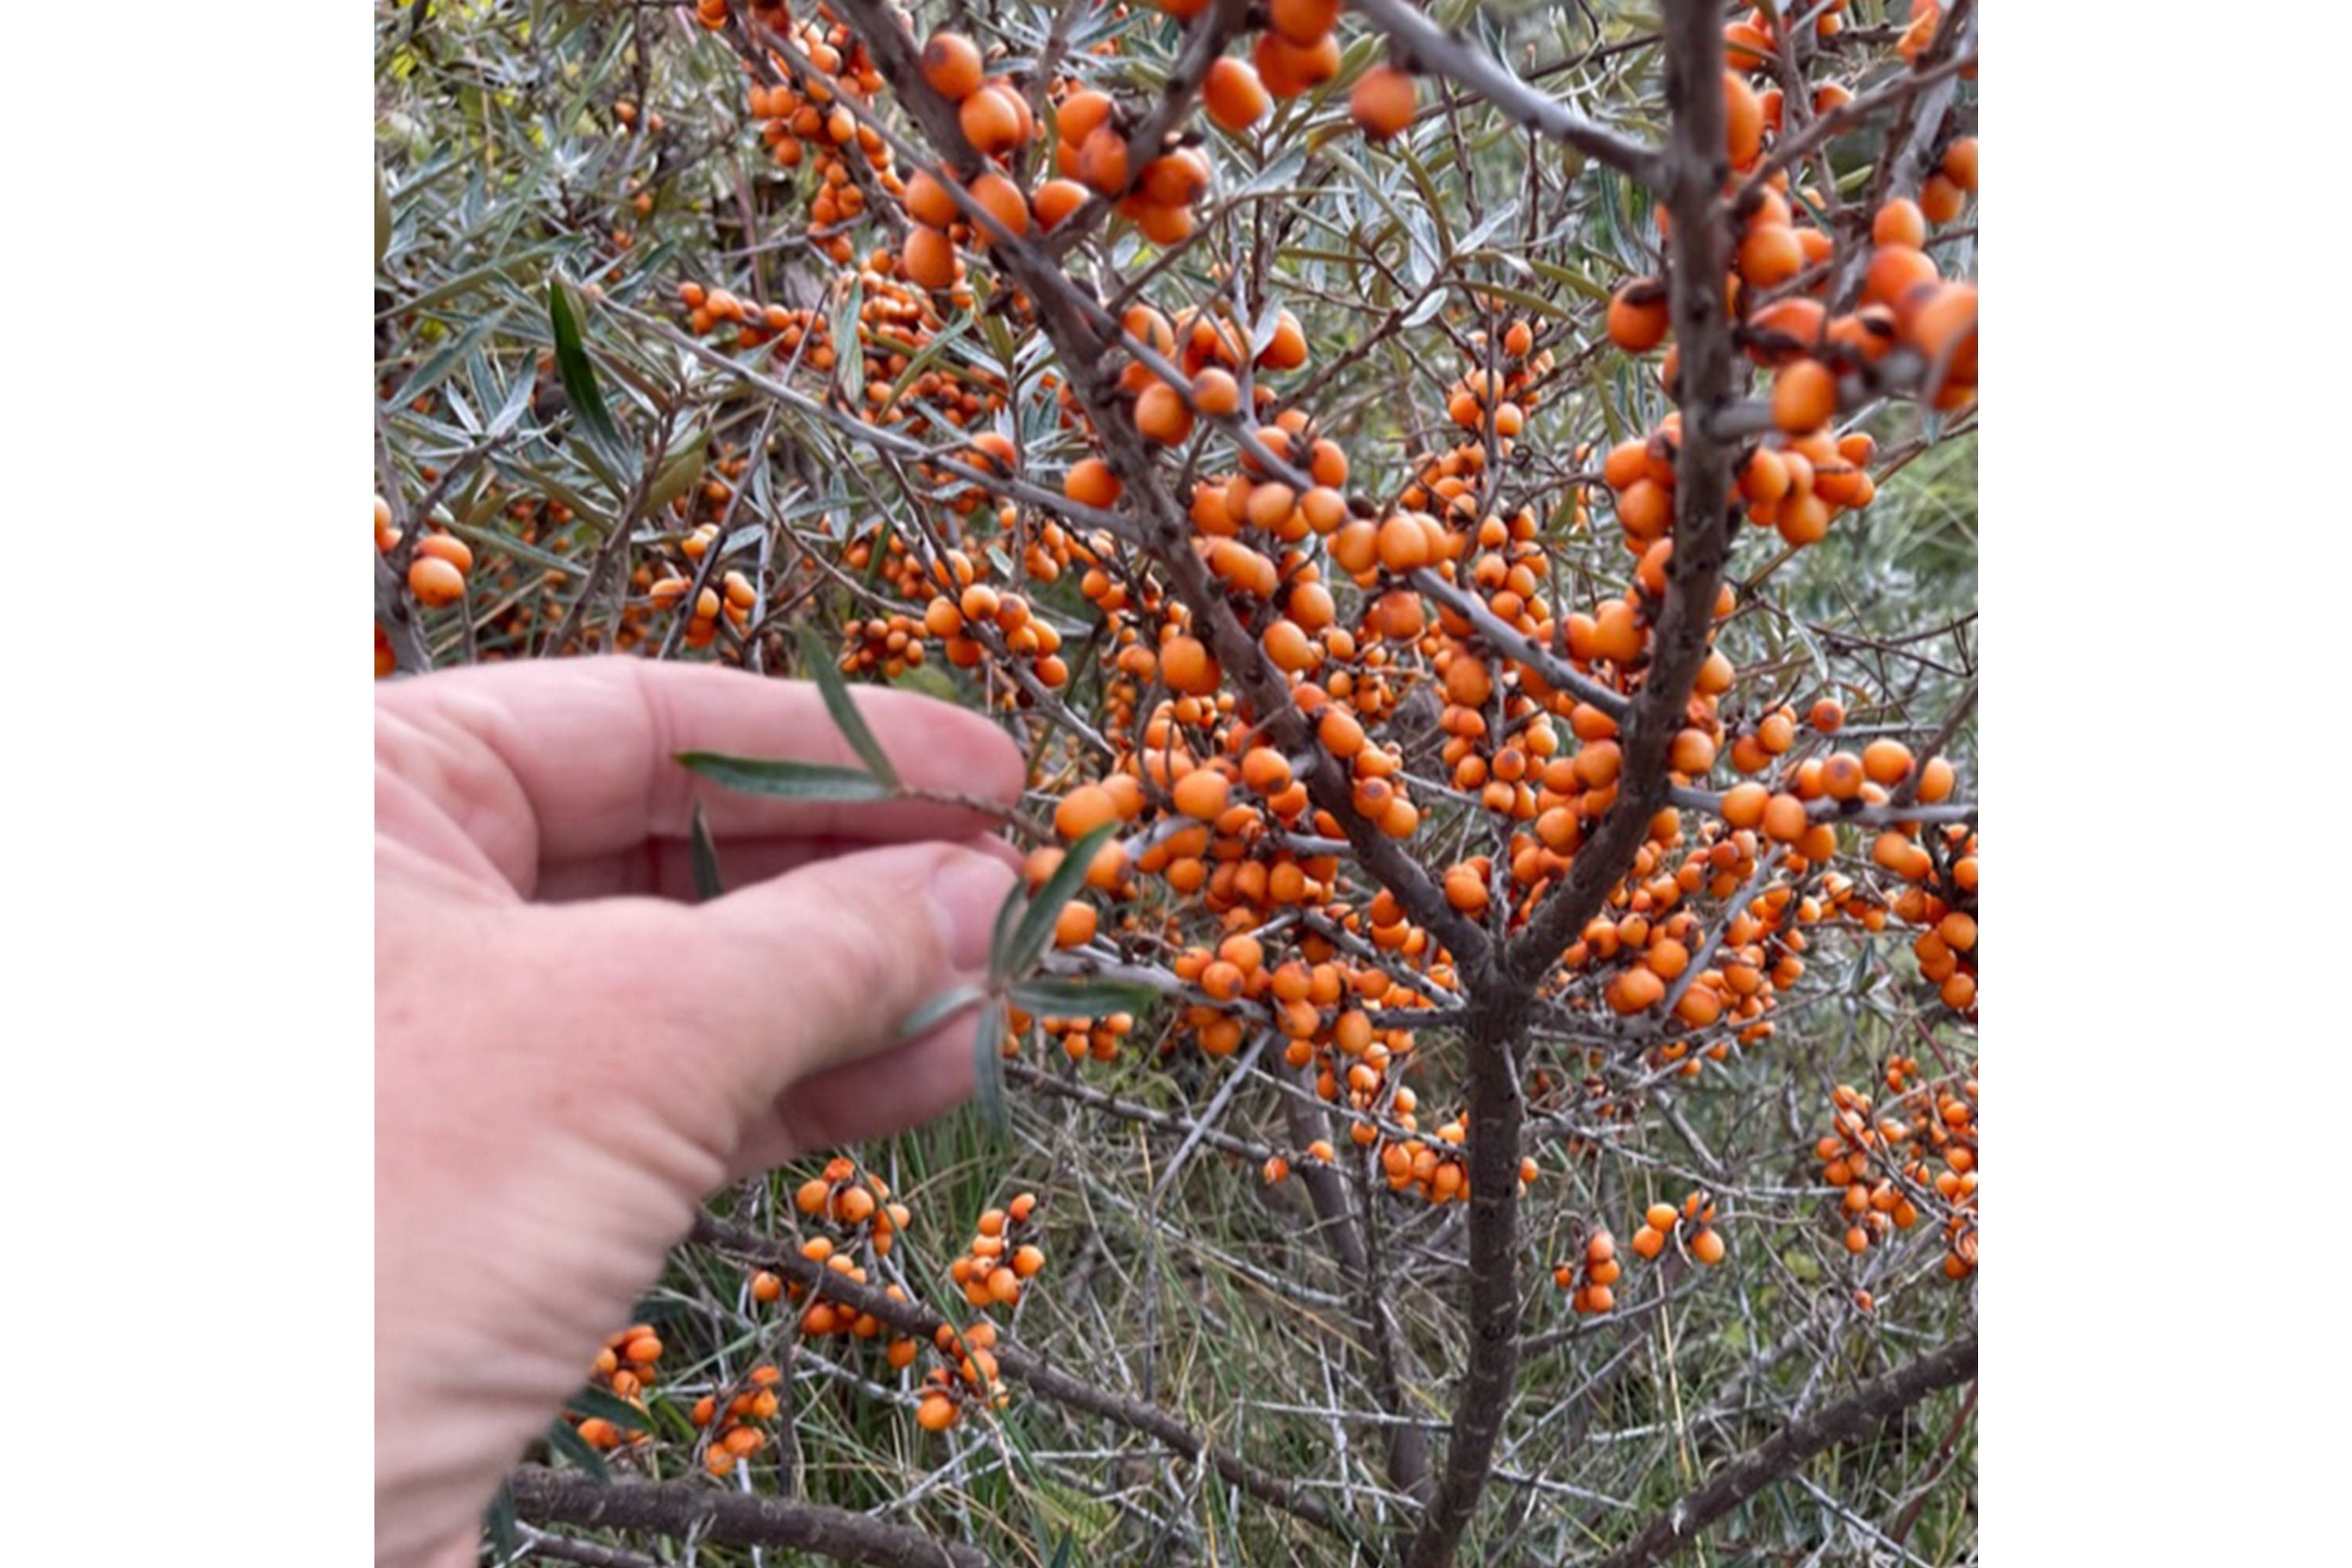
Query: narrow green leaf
{"type": "Point", "coordinates": [708, 884]}
{"type": "Point", "coordinates": [681, 471]}
{"type": "Point", "coordinates": [1035, 930]}
{"type": "Point", "coordinates": [1590, 286]}
{"type": "Point", "coordinates": [578, 371]}
{"type": "Point", "coordinates": [383, 219]}
{"type": "Point", "coordinates": [822, 670]}
{"type": "Point", "coordinates": [512, 267]}
{"type": "Point", "coordinates": [988, 1067]}
{"type": "Point", "coordinates": [593, 1401]}
{"type": "Point", "coordinates": [781, 779]}
{"type": "Point", "coordinates": [500, 1525]}
{"type": "Point", "coordinates": [574, 1447]}
{"type": "Point", "coordinates": [437, 366]}
{"type": "Point", "coordinates": [518, 400]}
{"type": "Point", "coordinates": [944, 1005]}
{"type": "Point", "coordinates": [923, 360]}
{"type": "Point", "coordinates": [850, 367]}
{"type": "Point", "coordinates": [1082, 995]}
{"type": "Point", "coordinates": [1000, 938]}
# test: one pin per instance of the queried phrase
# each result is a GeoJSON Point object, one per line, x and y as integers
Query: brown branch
{"type": "Point", "coordinates": [1694, 172]}
{"type": "Point", "coordinates": [1063, 311]}
{"type": "Point", "coordinates": [1218, 27]}
{"type": "Point", "coordinates": [1702, 532]}
{"type": "Point", "coordinates": [1448, 56]}
{"type": "Point", "coordinates": [1354, 1250]}
{"type": "Point", "coordinates": [1022, 1366]}
{"type": "Point", "coordinates": [1911, 138]}
{"type": "Point", "coordinates": [1167, 1121]}
{"type": "Point", "coordinates": [395, 611]}
{"type": "Point", "coordinates": [738, 1519]}
{"type": "Point", "coordinates": [1850, 1418]}
{"type": "Point", "coordinates": [1491, 1287]}
{"type": "Point", "coordinates": [563, 1548]}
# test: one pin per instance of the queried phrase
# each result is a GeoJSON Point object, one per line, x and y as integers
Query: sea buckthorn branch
{"type": "Point", "coordinates": [1494, 82]}
{"type": "Point", "coordinates": [1168, 533]}
{"type": "Point", "coordinates": [1167, 1121]}
{"type": "Point", "coordinates": [889, 440]}
{"type": "Point", "coordinates": [1045, 1380]}
{"type": "Point", "coordinates": [1908, 790]}
{"type": "Point", "coordinates": [1703, 520]}
{"type": "Point", "coordinates": [1557, 672]}
{"type": "Point", "coordinates": [1218, 25]}
{"type": "Point", "coordinates": [1033, 265]}
{"type": "Point", "coordinates": [1780, 1455]}
{"type": "Point", "coordinates": [1860, 813]}
{"type": "Point", "coordinates": [625, 520]}
{"type": "Point", "coordinates": [1825, 128]}
{"type": "Point", "coordinates": [1913, 136]}
{"type": "Point", "coordinates": [1352, 1235]}
{"type": "Point", "coordinates": [564, 1549]}
{"type": "Point", "coordinates": [1491, 1291]}
{"type": "Point", "coordinates": [736, 1518]}
{"type": "Point", "coordinates": [393, 613]}
{"type": "Point", "coordinates": [706, 568]}
{"type": "Point", "coordinates": [1693, 175]}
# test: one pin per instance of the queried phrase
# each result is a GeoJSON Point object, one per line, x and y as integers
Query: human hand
{"type": "Point", "coordinates": [570, 1056]}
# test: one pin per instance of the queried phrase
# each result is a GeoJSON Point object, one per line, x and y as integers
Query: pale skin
{"type": "Point", "coordinates": [572, 1054]}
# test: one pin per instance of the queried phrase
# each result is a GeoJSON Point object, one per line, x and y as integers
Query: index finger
{"type": "Point", "coordinates": [556, 760]}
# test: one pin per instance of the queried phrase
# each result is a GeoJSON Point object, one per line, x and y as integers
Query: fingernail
{"type": "Point", "coordinates": [966, 892]}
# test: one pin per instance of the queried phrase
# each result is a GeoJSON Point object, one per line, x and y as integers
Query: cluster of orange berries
{"type": "Point", "coordinates": [1082, 1038]}
{"type": "Point", "coordinates": [1210, 348]}
{"type": "Point", "coordinates": [894, 324]}
{"type": "Point", "coordinates": [1880, 1160]}
{"type": "Point", "coordinates": [625, 1367]}
{"type": "Point", "coordinates": [971, 1377]}
{"type": "Point", "coordinates": [979, 611]}
{"type": "Point", "coordinates": [438, 568]}
{"type": "Point", "coordinates": [1942, 901]}
{"type": "Point", "coordinates": [794, 117]}
{"type": "Point", "coordinates": [1592, 1277]}
{"type": "Point", "coordinates": [669, 588]}
{"type": "Point", "coordinates": [993, 1270]}
{"type": "Point", "coordinates": [739, 1434]}
{"type": "Point", "coordinates": [1500, 399]}
{"type": "Point", "coordinates": [1692, 1224]}
{"type": "Point", "coordinates": [1782, 271]}
{"type": "Point", "coordinates": [858, 1201]}
{"type": "Point", "coordinates": [1296, 51]}
{"type": "Point", "coordinates": [1438, 1170]}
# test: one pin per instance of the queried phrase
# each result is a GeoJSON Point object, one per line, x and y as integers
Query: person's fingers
{"type": "Point", "coordinates": [903, 1087]}
{"type": "Point", "coordinates": [664, 868]}
{"type": "Point", "coordinates": [758, 991]}
{"type": "Point", "coordinates": [571, 759]}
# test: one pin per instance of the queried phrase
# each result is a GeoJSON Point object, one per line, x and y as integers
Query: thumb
{"type": "Point", "coordinates": [813, 976]}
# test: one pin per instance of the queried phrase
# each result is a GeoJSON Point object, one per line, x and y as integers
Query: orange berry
{"type": "Point", "coordinates": [929, 257]}
{"type": "Point", "coordinates": [1201, 793]}
{"type": "Point", "coordinates": [991, 119]}
{"type": "Point", "coordinates": [1637, 315]}
{"type": "Point", "coordinates": [1804, 397]}
{"type": "Point", "coordinates": [1233, 96]}
{"type": "Point", "coordinates": [1188, 667]}
{"type": "Point", "coordinates": [1383, 102]}
{"type": "Point", "coordinates": [951, 63]}
{"type": "Point", "coordinates": [434, 581]}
